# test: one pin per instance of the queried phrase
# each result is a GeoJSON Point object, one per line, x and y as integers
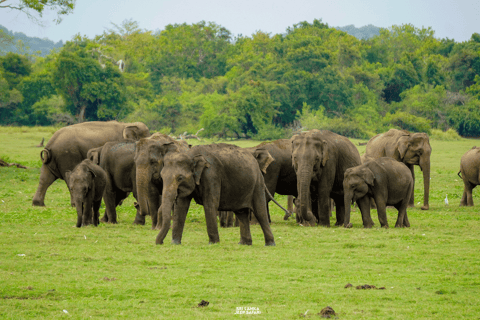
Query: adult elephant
{"type": "Point", "coordinates": [470, 174]}
{"type": "Point", "coordinates": [409, 148]}
{"type": "Point", "coordinates": [320, 159]}
{"type": "Point", "coordinates": [280, 177]}
{"type": "Point", "coordinates": [148, 158]}
{"type": "Point", "coordinates": [69, 146]}
{"type": "Point", "coordinates": [220, 177]}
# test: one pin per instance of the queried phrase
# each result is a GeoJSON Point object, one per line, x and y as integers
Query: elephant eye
{"type": "Point", "coordinates": [180, 178]}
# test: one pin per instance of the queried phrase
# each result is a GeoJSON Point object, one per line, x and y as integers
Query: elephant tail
{"type": "Point", "coordinates": [46, 156]}
{"type": "Point", "coordinates": [287, 213]}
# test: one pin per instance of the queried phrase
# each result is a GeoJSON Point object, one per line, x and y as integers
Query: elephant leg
{"type": "Point", "coordinates": [340, 210]}
{"type": "Point", "coordinates": [364, 206]}
{"type": "Point", "coordinates": [109, 197]}
{"type": "Point", "coordinates": [245, 235]}
{"type": "Point", "coordinates": [96, 212]}
{"type": "Point", "coordinates": [260, 212]}
{"type": "Point", "coordinates": [46, 180]}
{"type": "Point", "coordinates": [402, 213]}
{"type": "Point", "coordinates": [324, 208]}
{"type": "Point", "coordinates": [382, 211]}
{"type": "Point", "coordinates": [211, 221]}
{"type": "Point", "coordinates": [469, 195]}
{"type": "Point", "coordinates": [180, 210]}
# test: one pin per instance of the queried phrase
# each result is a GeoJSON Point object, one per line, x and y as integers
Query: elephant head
{"type": "Point", "coordinates": [149, 154]}
{"type": "Point", "coordinates": [356, 184]}
{"type": "Point", "coordinates": [181, 174]}
{"type": "Point", "coordinates": [415, 149]}
{"type": "Point", "coordinates": [136, 131]}
{"type": "Point", "coordinates": [81, 184]}
{"type": "Point", "coordinates": [309, 156]}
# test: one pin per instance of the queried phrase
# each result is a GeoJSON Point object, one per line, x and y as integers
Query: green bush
{"type": "Point", "coordinates": [407, 121]}
{"type": "Point", "coordinates": [449, 135]}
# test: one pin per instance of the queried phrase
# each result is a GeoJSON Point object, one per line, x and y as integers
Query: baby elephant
{"type": "Point", "coordinates": [470, 174]}
{"type": "Point", "coordinates": [387, 181]}
{"type": "Point", "coordinates": [86, 184]}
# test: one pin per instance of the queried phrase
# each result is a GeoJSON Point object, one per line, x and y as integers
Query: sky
{"type": "Point", "coordinates": [456, 20]}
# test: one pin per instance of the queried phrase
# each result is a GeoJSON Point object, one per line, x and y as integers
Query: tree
{"type": "Point", "coordinates": [92, 91]}
{"type": "Point", "coordinates": [32, 7]}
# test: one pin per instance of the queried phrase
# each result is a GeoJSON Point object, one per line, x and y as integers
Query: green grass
{"type": "Point", "coordinates": [430, 271]}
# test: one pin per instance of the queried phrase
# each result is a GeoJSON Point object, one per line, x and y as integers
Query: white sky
{"type": "Point", "coordinates": [453, 19]}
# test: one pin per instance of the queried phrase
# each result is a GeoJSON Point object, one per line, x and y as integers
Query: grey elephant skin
{"type": "Point", "coordinates": [470, 174]}
{"type": "Point", "coordinates": [148, 158]}
{"type": "Point", "coordinates": [320, 159]}
{"type": "Point", "coordinates": [387, 181]}
{"type": "Point", "coordinates": [116, 159]}
{"type": "Point", "coordinates": [69, 146]}
{"type": "Point", "coordinates": [220, 177]}
{"type": "Point", "coordinates": [409, 148]}
{"type": "Point", "coordinates": [280, 177]}
{"type": "Point", "coordinates": [86, 184]}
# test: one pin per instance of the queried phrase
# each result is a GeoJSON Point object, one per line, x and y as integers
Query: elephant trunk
{"type": "Point", "coordinates": [80, 206]}
{"type": "Point", "coordinates": [348, 199]}
{"type": "Point", "coordinates": [425, 166]}
{"type": "Point", "coordinates": [142, 182]}
{"type": "Point", "coordinates": [304, 194]}
{"type": "Point", "coordinates": [168, 199]}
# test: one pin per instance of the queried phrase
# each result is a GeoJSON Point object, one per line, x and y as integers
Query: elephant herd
{"type": "Point", "coordinates": [111, 159]}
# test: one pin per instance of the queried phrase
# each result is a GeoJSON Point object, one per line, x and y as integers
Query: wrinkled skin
{"type": "Point", "coordinates": [409, 148]}
{"type": "Point", "coordinates": [280, 177]}
{"type": "Point", "coordinates": [149, 154]}
{"type": "Point", "coordinates": [387, 181]}
{"type": "Point", "coordinates": [86, 184]}
{"type": "Point", "coordinates": [470, 174]}
{"type": "Point", "coordinates": [320, 159]}
{"type": "Point", "coordinates": [116, 159]}
{"type": "Point", "coordinates": [69, 146]}
{"type": "Point", "coordinates": [220, 177]}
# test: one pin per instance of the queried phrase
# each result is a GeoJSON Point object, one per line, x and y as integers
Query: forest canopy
{"type": "Point", "coordinates": [188, 77]}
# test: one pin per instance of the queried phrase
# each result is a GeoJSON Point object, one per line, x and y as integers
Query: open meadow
{"type": "Point", "coordinates": [50, 269]}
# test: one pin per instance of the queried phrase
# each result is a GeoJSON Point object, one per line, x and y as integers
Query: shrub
{"type": "Point", "coordinates": [449, 135]}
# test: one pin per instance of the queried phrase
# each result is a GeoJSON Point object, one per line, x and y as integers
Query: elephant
{"type": "Point", "coordinates": [220, 177]}
{"type": "Point", "coordinates": [227, 219]}
{"type": "Point", "coordinates": [280, 177]}
{"type": "Point", "coordinates": [320, 158]}
{"type": "Point", "coordinates": [148, 158]}
{"type": "Point", "coordinates": [409, 148]}
{"type": "Point", "coordinates": [69, 146]}
{"type": "Point", "coordinates": [387, 181]}
{"type": "Point", "coordinates": [470, 174]}
{"type": "Point", "coordinates": [86, 183]}
{"type": "Point", "coordinates": [116, 159]}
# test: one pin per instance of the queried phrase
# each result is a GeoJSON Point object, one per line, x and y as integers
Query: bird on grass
{"type": "Point", "coordinates": [446, 199]}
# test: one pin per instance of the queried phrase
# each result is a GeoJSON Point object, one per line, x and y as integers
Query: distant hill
{"type": "Point", "coordinates": [35, 44]}
{"type": "Point", "coordinates": [365, 32]}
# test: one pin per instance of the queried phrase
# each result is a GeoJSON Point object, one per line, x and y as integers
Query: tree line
{"type": "Point", "coordinates": [192, 76]}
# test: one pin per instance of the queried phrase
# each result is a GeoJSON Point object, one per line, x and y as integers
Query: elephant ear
{"type": "Point", "coordinates": [264, 159]}
{"type": "Point", "coordinates": [368, 177]}
{"type": "Point", "coordinates": [402, 146]}
{"type": "Point", "coordinates": [130, 132]}
{"type": "Point", "coordinates": [94, 156]}
{"type": "Point", "coordinates": [324, 153]}
{"type": "Point", "coordinates": [199, 164]}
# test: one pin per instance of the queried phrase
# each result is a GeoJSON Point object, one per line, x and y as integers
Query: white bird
{"type": "Point", "coordinates": [446, 200]}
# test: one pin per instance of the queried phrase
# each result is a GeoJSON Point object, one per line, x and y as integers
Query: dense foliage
{"type": "Point", "coordinates": [188, 77]}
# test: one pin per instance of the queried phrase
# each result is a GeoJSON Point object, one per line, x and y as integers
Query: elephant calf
{"type": "Point", "coordinates": [387, 181]}
{"type": "Point", "coordinates": [86, 184]}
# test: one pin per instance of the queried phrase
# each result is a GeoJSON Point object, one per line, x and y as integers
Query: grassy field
{"type": "Point", "coordinates": [49, 269]}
